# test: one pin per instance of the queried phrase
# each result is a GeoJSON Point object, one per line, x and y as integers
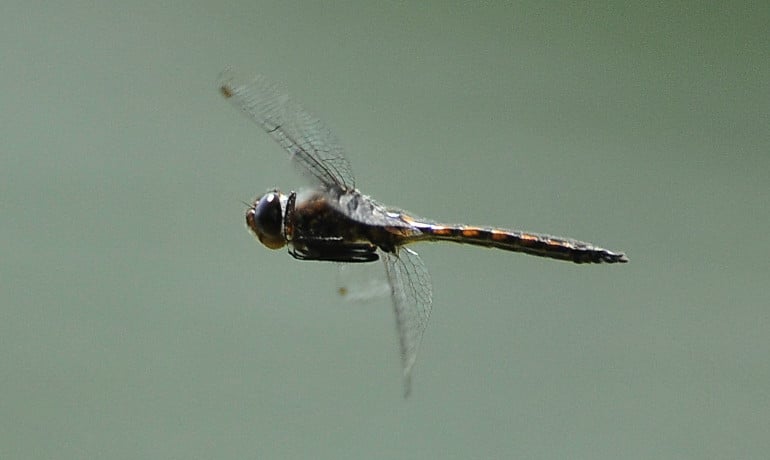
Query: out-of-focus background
{"type": "Point", "coordinates": [139, 319]}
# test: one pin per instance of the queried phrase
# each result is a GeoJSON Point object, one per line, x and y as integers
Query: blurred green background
{"type": "Point", "coordinates": [139, 319]}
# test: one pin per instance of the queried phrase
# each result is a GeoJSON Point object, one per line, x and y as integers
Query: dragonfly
{"type": "Point", "coordinates": [333, 221]}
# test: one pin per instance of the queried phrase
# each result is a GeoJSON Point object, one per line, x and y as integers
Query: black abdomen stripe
{"type": "Point", "coordinates": [529, 243]}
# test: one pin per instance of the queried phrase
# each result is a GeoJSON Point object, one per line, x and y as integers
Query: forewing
{"type": "Point", "coordinates": [313, 149]}
{"type": "Point", "coordinates": [412, 296]}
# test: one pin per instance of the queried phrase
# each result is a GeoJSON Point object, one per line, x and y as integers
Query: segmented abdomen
{"type": "Point", "coordinates": [534, 244]}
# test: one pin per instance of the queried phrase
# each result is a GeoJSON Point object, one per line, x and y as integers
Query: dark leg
{"type": "Point", "coordinates": [332, 250]}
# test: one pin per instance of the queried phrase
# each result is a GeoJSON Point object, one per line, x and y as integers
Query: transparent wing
{"type": "Point", "coordinates": [311, 145]}
{"type": "Point", "coordinates": [361, 283]}
{"type": "Point", "coordinates": [412, 294]}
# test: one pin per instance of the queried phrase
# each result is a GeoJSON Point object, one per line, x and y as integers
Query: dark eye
{"type": "Point", "coordinates": [266, 221]}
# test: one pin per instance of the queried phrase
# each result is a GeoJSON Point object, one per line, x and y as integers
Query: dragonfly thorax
{"type": "Point", "coordinates": [265, 219]}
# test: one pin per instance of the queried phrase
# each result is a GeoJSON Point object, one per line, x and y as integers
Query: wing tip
{"type": "Point", "coordinates": [225, 82]}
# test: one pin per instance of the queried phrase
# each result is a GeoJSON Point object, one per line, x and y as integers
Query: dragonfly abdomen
{"type": "Point", "coordinates": [529, 243]}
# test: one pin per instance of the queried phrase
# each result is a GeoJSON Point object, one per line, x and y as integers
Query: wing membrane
{"type": "Point", "coordinates": [412, 295]}
{"type": "Point", "coordinates": [312, 147]}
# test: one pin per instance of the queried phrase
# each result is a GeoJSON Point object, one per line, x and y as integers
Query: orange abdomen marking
{"type": "Point", "coordinates": [529, 243]}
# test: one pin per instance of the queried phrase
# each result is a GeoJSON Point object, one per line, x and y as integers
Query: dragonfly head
{"type": "Point", "coordinates": [265, 219]}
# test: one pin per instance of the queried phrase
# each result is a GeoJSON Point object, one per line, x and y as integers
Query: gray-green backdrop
{"type": "Point", "coordinates": [139, 319]}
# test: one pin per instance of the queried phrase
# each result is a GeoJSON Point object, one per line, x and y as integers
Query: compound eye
{"type": "Point", "coordinates": [266, 221]}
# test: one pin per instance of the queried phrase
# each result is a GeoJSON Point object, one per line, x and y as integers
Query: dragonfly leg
{"type": "Point", "coordinates": [333, 250]}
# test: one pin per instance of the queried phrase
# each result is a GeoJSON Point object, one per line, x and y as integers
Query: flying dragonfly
{"type": "Point", "coordinates": [334, 221]}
